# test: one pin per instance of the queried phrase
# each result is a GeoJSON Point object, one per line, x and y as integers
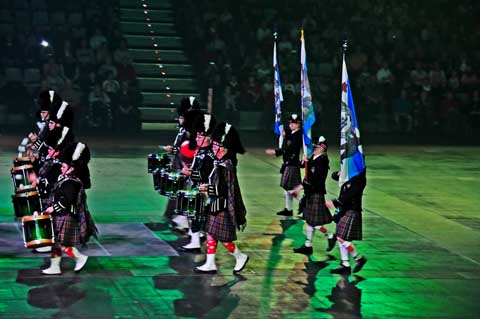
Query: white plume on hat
{"type": "Point", "coordinates": [78, 151]}
{"type": "Point", "coordinates": [51, 93]}
{"type": "Point", "coordinates": [61, 110]}
{"type": "Point", "coordinates": [191, 98]}
{"type": "Point", "coordinates": [207, 118]}
{"type": "Point", "coordinates": [64, 133]}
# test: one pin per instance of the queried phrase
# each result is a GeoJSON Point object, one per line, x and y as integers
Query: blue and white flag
{"type": "Point", "coordinates": [277, 90]}
{"type": "Point", "coordinates": [308, 113]}
{"type": "Point", "coordinates": [352, 161]}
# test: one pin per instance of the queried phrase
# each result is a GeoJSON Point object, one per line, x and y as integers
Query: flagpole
{"type": "Point", "coordinates": [278, 113]}
{"type": "Point", "coordinates": [302, 81]}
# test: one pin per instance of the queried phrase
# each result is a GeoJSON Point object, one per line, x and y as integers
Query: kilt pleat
{"type": "Point", "coordinates": [67, 230]}
{"type": "Point", "coordinates": [349, 227]}
{"type": "Point", "coordinates": [315, 212]}
{"type": "Point", "coordinates": [221, 227]}
{"type": "Point", "coordinates": [290, 178]}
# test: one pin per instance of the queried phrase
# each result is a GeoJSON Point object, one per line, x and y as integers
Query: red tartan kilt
{"type": "Point", "coordinates": [67, 230]}
{"type": "Point", "coordinates": [221, 227]}
{"type": "Point", "coordinates": [315, 212]}
{"type": "Point", "coordinates": [290, 178]}
{"type": "Point", "coordinates": [349, 227]}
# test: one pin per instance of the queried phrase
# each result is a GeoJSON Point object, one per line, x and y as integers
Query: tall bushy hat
{"type": "Point", "coordinates": [62, 114]}
{"type": "Point", "coordinates": [48, 99]}
{"type": "Point", "coordinates": [227, 136]}
{"type": "Point", "coordinates": [187, 104]}
{"type": "Point", "coordinates": [78, 156]}
{"type": "Point", "coordinates": [59, 138]}
{"type": "Point", "coordinates": [204, 124]}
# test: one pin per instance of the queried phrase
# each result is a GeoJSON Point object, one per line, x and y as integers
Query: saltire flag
{"type": "Point", "coordinates": [352, 161]}
{"type": "Point", "coordinates": [308, 113]}
{"type": "Point", "coordinates": [277, 90]}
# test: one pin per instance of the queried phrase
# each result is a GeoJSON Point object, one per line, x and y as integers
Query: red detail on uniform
{"type": "Point", "coordinates": [350, 248]}
{"type": "Point", "coordinates": [211, 246]}
{"type": "Point", "coordinates": [230, 246]}
{"type": "Point", "coordinates": [186, 151]}
{"type": "Point", "coordinates": [69, 252]}
{"type": "Point", "coordinates": [323, 229]}
{"type": "Point", "coordinates": [344, 86]}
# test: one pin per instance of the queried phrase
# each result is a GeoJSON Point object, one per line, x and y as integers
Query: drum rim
{"type": "Point", "coordinates": [38, 242]}
{"type": "Point", "coordinates": [25, 194]}
{"type": "Point", "coordinates": [25, 189]}
{"type": "Point", "coordinates": [21, 167]}
{"type": "Point", "coordinates": [23, 158]}
{"type": "Point", "coordinates": [32, 217]}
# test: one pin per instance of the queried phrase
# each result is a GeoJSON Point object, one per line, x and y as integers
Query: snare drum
{"type": "Point", "coordinates": [20, 177]}
{"type": "Point", "coordinates": [157, 161]}
{"type": "Point", "coordinates": [191, 203]}
{"type": "Point", "coordinates": [170, 183]}
{"type": "Point", "coordinates": [38, 231]}
{"type": "Point", "coordinates": [26, 203]}
{"type": "Point", "coordinates": [19, 161]}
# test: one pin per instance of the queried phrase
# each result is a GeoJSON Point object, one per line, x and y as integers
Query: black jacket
{"type": "Point", "coordinates": [292, 144]}
{"type": "Point", "coordinates": [316, 174]}
{"type": "Point", "coordinates": [351, 193]}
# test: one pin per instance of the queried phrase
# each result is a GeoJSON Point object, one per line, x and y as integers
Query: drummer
{"type": "Point", "coordinates": [48, 101]}
{"type": "Point", "coordinates": [186, 104]}
{"type": "Point", "coordinates": [199, 171]}
{"type": "Point", "coordinates": [73, 224]}
{"type": "Point", "coordinates": [227, 211]}
{"type": "Point", "coordinates": [183, 159]}
{"type": "Point", "coordinates": [57, 141]}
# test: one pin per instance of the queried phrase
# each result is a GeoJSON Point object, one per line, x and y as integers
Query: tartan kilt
{"type": "Point", "coordinates": [67, 230]}
{"type": "Point", "coordinates": [349, 227]}
{"type": "Point", "coordinates": [290, 178]}
{"type": "Point", "coordinates": [315, 212]}
{"type": "Point", "coordinates": [221, 227]}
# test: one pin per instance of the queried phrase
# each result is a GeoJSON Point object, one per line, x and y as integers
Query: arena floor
{"type": "Point", "coordinates": [421, 237]}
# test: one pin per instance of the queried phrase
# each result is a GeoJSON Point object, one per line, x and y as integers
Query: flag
{"type": "Point", "coordinates": [352, 161]}
{"type": "Point", "coordinates": [308, 113]}
{"type": "Point", "coordinates": [277, 90]}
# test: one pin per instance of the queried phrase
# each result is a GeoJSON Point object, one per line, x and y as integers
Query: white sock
{"type": "Point", "coordinates": [288, 200]}
{"type": "Point", "coordinates": [344, 255]}
{"type": "Point", "coordinates": [310, 231]}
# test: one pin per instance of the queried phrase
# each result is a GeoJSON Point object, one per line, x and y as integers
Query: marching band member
{"type": "Point", "coordinates": [186, 105]}
{"type": "Point", "coordinates": [227, 211]}
{"type": "Point", "coordinates": [72, 221]}
{"type": "Point", "coordinates": [199, 171]}
{"type": "Point", "coordinates": [315, 213]}
{"type": "Point", "coordinates": [349, 221]}
{"type": "Point", "coordinates": [290, 151]}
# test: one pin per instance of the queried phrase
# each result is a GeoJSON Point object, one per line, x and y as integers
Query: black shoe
{"type": "Point", "coordinates": [189, 250]}
{"type": "Point", "coordinates": [359, 263]}
{"type": "Point", "coordinates": [331, 243]}
{"type": "Point", "coordinates": [285, 212]}
{"type": "Point", "coordinates": [342, 270]}
{"type": "Point", "coordinates": [303, 250]}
